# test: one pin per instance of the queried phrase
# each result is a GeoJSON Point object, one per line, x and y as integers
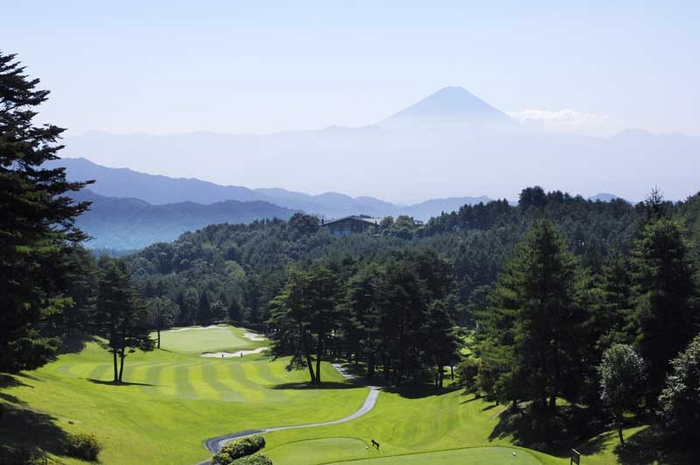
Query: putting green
{"type": "Point", "coordinates": [471, 456]}
{"type": "Point", "coordinates": [197, 339]}
{"type": "Point", "coordinates": [307, 451]}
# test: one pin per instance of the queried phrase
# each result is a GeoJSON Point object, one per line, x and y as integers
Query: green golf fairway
{"type": "Point", "coordinates": [173, 399]}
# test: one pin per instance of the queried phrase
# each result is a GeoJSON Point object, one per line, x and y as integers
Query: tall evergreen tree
{"type": "Point", "coordinates": [537, 322]}
{"type": "Point", "coordinates": [121, 318]}
{"type": "Point", "coordinates": [304, 316]}
{"type": "Point", "coordinates": [37, 224]}
{"type": "Point", "coordinates": [664, 290]}
{"type": "Point", "coordinates": [361, 318]}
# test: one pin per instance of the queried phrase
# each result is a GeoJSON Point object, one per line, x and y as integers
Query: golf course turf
{"type": "Point", "coordinates": [173, 399]}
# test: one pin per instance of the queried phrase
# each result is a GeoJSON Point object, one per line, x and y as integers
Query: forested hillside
{"type": "Point", "coordinates": [244, 266]}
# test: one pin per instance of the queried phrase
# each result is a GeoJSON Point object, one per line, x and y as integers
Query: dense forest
{"type": "Point", "coordinates": [244, 266]}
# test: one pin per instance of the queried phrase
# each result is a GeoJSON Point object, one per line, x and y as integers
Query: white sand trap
{"type": "Point", "coordinates": [253, 336]}
{"type": "Point", "coordinates": [240, 353]}
{"type": "Point", "coordinates": [197, 328]}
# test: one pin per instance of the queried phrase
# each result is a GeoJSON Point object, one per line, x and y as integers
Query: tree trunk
{"type": "Point", "coordinates": [319, 354]}
{"type": "Point", "coordinates": [619, 429]}
{"type": "Point", "coordinates": [442, 377]}
{"type": "Point", "coordinates": [158, 329]}
{"type": "Point", "coordinates": [122, 356]}
{"type": "Point", "coordinates": [114, 358]}
{"type": "Point", "coordinates": [310, 364]}
{"type": "Point", "coordinates": [452, 372]}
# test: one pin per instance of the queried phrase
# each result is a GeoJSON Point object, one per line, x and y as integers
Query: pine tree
{"type": "Point", "coordinates": [162, 314]}
{"type": "Point", "coordinates": [121, 318]}
{"type": "Point", "coordinates": [664, 289]}
{"type": "Point", "coordinates": [533, 335]}
{"type": "Point", "coordinates": [37, 224]}
{"type": "Point", "coordinates": [304, 315]}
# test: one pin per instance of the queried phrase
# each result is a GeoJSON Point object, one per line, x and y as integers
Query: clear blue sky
{"type": "Point", "coordinates": [249, 66]}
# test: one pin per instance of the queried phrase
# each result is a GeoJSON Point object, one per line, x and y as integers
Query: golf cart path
{"type": "Point", "coordinates": [215, 444]}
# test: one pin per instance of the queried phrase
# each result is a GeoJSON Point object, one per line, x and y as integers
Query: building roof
{"type": "Point", "coordinates": [363, 218]}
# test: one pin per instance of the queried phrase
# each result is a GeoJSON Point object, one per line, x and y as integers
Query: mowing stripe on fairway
{"type": "Point", "coordinates": [184, 389]}
{"type": "Point", "coordinates": [250, 391]}
{"type": "Point", "coordinates": [99, 371]}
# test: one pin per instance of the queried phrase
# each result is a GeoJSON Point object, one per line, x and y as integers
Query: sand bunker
{"type": "Point", "coordinates": [240, 353]}
{"type": "Point", "coordinates": [253, 336]}
{"type": "Point", "coordinates": [198, 328]}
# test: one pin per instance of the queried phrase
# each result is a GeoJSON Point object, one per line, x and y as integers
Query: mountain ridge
{"type": "Point", "coordinates": [125, 223]}
{"type": "Point", "coordinates": [161, 190]}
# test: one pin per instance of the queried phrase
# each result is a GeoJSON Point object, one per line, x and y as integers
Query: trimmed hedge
{"type": "Point", "coordinates": [238, 449]}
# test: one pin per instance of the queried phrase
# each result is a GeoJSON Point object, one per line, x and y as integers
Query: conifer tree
{"type": "Point", "coordinates": [121, 318]}
{"type": "Point", "coordinates": [533, 337]}
{"type": "Point", "coordinates": [664, 290]}
{"type": "Point", "coordinates": [37, 224]}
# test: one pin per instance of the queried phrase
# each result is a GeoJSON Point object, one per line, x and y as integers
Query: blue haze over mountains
{"type": "Point", "coordinates": [444, 147]}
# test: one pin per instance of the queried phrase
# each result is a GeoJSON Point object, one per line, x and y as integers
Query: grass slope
{"type": "Point", "coordinates": [175, 399]}
{"type": "Point", "coordinates": [172, 401]}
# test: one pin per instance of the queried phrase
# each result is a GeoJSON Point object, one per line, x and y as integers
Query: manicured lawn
{"type": "Point", "coordinates": [197, 339]}
{"type": "Point", "coordinates": [470, 456]}
{"type": "Point", "coordinates": [174, 403]}
{"type": "Point", "coordinates": [176, 399]}
{"type": "Point", "coordinates": [402, 426]}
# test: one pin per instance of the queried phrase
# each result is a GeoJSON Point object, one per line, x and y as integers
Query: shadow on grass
{"type": "Point", "coordinates": [27, 435]}
{"type": "Point", "coordinates": [473, 398]}
{"type": "Point", "coordinates": [8, 381]}
{"type": "Point", "coordinates": [420, 391]}
{"type": "Point", "coordinates": [11, 399]}
{"type": "Point", "coordinates": [75, 343]}
{"type": "Point", "coordinates": [117, 383]}
{"type": "Point", "coordinates": [649, 446]}
{"type": "Point", "coordinates": [323, 385]}
{"type": "Point", "coordinates": [597, 444]}
{"type": "Point", "coordinates": [554, 434]}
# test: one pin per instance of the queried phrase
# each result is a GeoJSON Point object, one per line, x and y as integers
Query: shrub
{"type": "Point", "coordinates": [238, 448]}
{"type": "Point", "coordinates": [260, 459]}
{"type": "Point", "coordinates": [83, 446]}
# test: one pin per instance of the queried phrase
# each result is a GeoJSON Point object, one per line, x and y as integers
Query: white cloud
{"type": "Point", "coordinates": [567, 120]}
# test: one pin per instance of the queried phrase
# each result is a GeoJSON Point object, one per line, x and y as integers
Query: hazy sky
{"type": "Point", "coordinates": [249, 66]}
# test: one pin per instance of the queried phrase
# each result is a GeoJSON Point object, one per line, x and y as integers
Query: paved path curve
{"type": "Point", "coordinates": [215, 444]}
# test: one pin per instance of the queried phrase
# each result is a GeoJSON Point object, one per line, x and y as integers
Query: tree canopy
{"type": "Point", "coordinates": [37, 225]}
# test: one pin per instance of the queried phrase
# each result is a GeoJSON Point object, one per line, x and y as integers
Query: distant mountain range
{"type": "Point", "coordinates": [119, 217]}
{"type": "Point", "coordinates": [128, 223]}
{"type": "Point", "coordinates": [447, 143]}
{"type": "Point", "coordinates": [159, 190]}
